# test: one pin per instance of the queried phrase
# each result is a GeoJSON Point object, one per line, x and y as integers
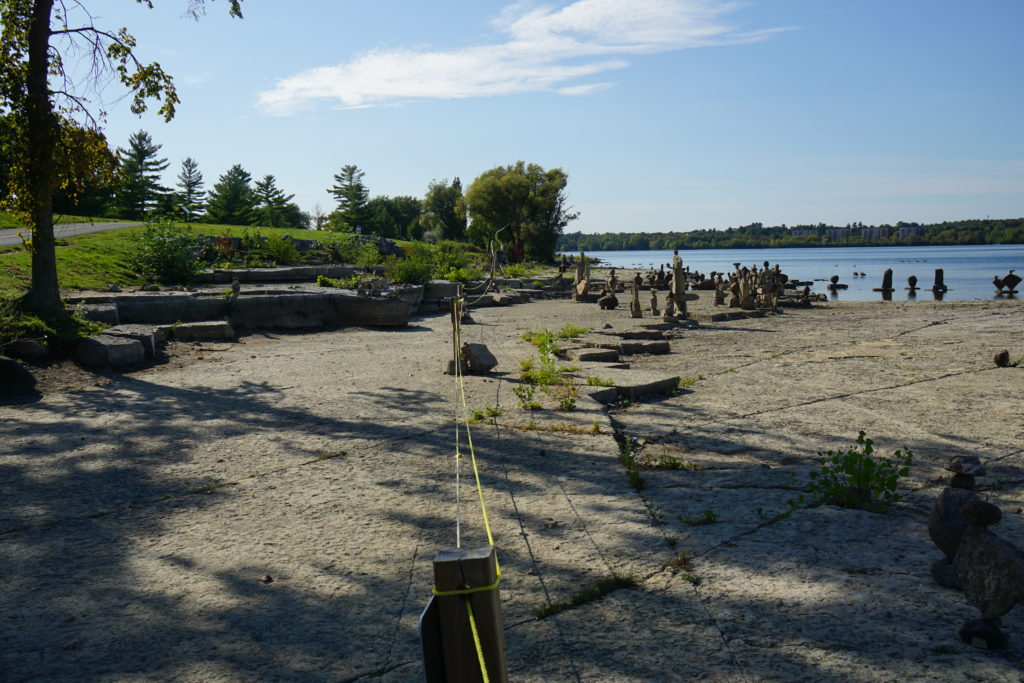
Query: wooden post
{"type": "Point", "coordinates": [458, 570]}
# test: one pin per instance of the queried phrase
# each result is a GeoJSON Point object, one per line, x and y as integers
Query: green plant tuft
{"type": "Point", "coordinates": [856, 479]}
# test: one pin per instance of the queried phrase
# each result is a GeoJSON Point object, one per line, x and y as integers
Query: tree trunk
{"type": "Point", "coordinates": [44, 293]}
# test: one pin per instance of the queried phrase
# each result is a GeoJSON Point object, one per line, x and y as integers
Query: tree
{"type": "Point", "coordinates": [232, 200]}
{"type": "Point", "coordinates": [140, 189]}
{"type": "Point", "coordinates": [444, 210]}
{"type": "Point", "coordinates": [190, 196]}
{"type": "Point", "coordinates": [352, 196]}
{"type": "Point", "coordinates": [318, 217]}
{"type": "Point", "coordinates": [270, 202]}
{"type": "Point", "coordinates": [521, 206]}
{"type": "Point", "coordinates": [393, 216]}
{"type": "Point", "coordinates": [31, 57]}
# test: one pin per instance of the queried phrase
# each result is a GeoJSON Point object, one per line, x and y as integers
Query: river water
{"type": "Point", "coordinates": [968, 270]}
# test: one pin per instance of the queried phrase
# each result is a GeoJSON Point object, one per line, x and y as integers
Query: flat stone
{"type": "Point", "coordinates": [214, 329]}
{"type": "Point", "coordinates": [26, 349]}
{"type": "Point", "coordinates": [101, 313]}
{"type": "Point", "coordinates": [593, 355]}
{"type": "Point", "coordinates": [644, 347]}
{"type": "Point", "coordinates": [14, 378]}
{"type": "Point", "coordinates": [109, 351]}
{"type": "Point", "coordinates": [144, 334]}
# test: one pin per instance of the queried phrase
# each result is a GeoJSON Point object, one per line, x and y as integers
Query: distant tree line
{"type": "Point", "coordinates": [757, 236]}
{"type": "Point", "coordinates": [521, 207]}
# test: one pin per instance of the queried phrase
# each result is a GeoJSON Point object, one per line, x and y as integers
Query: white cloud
{"type": "Point", "coordinates": [547, 48]}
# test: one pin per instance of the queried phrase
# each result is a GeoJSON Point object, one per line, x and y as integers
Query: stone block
{"type": "Point", "coordinates": [142, 333]}
{"type": "Point", "coordinates": [593, 355]}
{"type": "Point", "coordinates": [644, 347]}
{"type": "Point", "coordinates": [478, 358]}
{"type": "Point", "coordinates": [101, 313]}
{"type": "Point", "coordinates": [108, 351]}
{"type": "Point", "coordinates": [214, 329]}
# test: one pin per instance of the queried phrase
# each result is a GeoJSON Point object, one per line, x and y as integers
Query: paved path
{"type": "Point", "coordinates": [9, 237]}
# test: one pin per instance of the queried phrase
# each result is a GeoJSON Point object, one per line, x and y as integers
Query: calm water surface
{"type": "Point", "coordinates": [968, 270]}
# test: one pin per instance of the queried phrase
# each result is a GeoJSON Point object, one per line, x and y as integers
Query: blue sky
{"type": "Point", "coordinates": [666, 114]}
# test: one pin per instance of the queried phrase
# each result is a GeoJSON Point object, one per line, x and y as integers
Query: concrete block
{"type": "Point", "coordinates": [647, 347]}
{"type": "Point", "coordinates": [101, 313]}
{"type": "Point", "coordinates": [141, 333]}
{"type": "Point", "coordinates": [214, 329]}
{"type": "Point", "coordinates": [593, 355]}
{"type": "Point", "coordinates": [108, 351]}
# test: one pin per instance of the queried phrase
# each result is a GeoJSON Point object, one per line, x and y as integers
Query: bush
{"type": "Point", "coordinates": [352, 249]}
{"type": "Point", "coordinates": [415, 268]}
{"type": "Point", "coordinates": [281, 249]}
{"type": "Point", "coordinates": [855, 479]}
{"type": "Point", "coordinates": [168, 253]}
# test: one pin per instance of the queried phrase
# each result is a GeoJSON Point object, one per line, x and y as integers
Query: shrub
{"type": "Point", "coordinates": [340, 283]}
{"type": "Point", "coordinates": [856, 479]}
{"type": "Point", "coordinates": [466, 274]}
{"type": "Point", "coordinates": [517, 270]}
{"type": "Point", "coordinates": [281, 249]}
{"type": "Point", "coordinates": [416, 267]}
{"type": "Point", "coordinates": [168, 253]}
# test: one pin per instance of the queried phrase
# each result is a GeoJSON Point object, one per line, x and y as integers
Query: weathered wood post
{"type": "Point", "coordinates": [468, 577]}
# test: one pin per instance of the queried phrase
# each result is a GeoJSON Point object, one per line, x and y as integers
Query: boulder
{"type": "Point", "coordinates": [26, 349]}
{"type": "Point", "coordinates": [144, 334]}
{"type": "Point", "coordinates": [478, 358]}
{"type": "Point", "coordinates": [108, 351]}
{"type": "Point", "coordinates": [1002, 359]}
{"type": "Point", "coordinates": [15, 378]}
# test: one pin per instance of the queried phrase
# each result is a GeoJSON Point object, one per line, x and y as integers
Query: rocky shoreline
{"type": "Point", "coordinates": [268, 508]}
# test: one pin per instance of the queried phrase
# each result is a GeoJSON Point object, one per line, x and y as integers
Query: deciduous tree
{"type": "Point", "coordinates": [522, 206]}
{"type": "Point", "coordinates": [38, 90]}
{"type": "Point", "coordinates": [444, 210]}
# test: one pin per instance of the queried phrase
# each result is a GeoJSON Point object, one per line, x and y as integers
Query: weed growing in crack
{"type": "Point", "coordinates": [706, 517]}
{"type": "Point", "coordinates": [589, 594]}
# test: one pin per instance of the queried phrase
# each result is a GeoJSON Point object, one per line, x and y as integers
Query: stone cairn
{"type": "Point", "coordinates": [581, 283]}
{"type": "Point", "coordinates": [886, 289]}
{"type": "Point", "coordinates": [654, 302]}
{"type": "Point", "coordinates": [912, 283]}
{"type": "Point", "coordinates": [940, 283]}
{"type": "Point", "coordinates": [1006, 285]}
{"type": "Point", "coordinates": [989, 570]}
{"type": "Point", "coordinates": [634, 304]}
{"type": "Point", "coordinates": [607, 301]}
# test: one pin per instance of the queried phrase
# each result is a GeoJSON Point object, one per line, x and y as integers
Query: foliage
{"type": "Point", "coordinates": [168, 253]}
{"type": "Point", "coordinates": [463, 274]}
{"type": "Point", "coordinates": [628, 458]}
{"type": "Point", "coordinates": [571, 331]}
{"type": "Point", "coordinates": [756, 235]}
{"type": "Point", "coordinates": [522, 207]}
{"type": "Point", "coordinates": [594, 592]}
{"type": "Point", "coordinates": [351, 249]}
{"type": "Point", "coordinates": [705, 517]}
{"type": "Point", "coordinates": [416, 267]}
{"type": "Point", "coordinates": [525, 393]}
{"type": "Point", "coordinates": [395, 217]}
{"type": "Point", "coordinates": [517, 270]}
{"type": "Point", "coordinates": [338, 283]}
{"type": "Point", "coordinates": [139, 189]}
{"type": "Point", "coordinates": [444, 211]}
{"type": "Point", "coordinates": [191, 196]}
{"type": "Point", "coordinates": [856, 479]}
{"type": "Point", "coordinates": [599, 382]}
{"type": "Point", "coordinates": [232, 200]}
{"type": "Point", "coordinates": [45, 97]}
{"type": "Point", "coordinates": [351, 195]}
{"type": "Point", "coordinates": [281, 249]}
{"type": "Point", "coordinates": [485, 414]}
{"type": "Point", "coordinates": [450, 256]}
{"type": "Point", "coordinates": [273, 208]}
{"type": "Point", "coordinates": [16, 324]}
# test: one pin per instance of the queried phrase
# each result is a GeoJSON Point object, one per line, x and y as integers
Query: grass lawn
{"type": "Point", "coordinates": [96, 261]}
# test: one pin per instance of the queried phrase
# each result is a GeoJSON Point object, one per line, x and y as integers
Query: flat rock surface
{"type": "Point", "coordinates": [268, 509]}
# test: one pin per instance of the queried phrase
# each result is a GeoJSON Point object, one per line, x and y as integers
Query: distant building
{"type": "Point", "coordinates": [881, 233]}
{"type": "Point", "coordinates": [908, 230]}
{"type": "Point", "coordinates": [802, 232]}
{"type": "Point", "coordinates": [838, 234]}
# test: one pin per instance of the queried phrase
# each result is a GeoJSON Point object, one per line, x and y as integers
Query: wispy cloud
{"type": "Point", "coordinates": [546, 49]}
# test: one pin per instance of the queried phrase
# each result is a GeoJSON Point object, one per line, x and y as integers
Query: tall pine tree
{"type": "Point", "coordinates": [191, 195]}
{"type": "Point", "coordinates": [352, 197]}
{"type": "Point", "coordinates": [232, 200]}
{"type": "Point", "coordinates": [140, 190]}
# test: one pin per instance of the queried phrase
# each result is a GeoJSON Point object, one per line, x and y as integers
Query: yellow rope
{"type": "Point", "coordinates": [476, 641]}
